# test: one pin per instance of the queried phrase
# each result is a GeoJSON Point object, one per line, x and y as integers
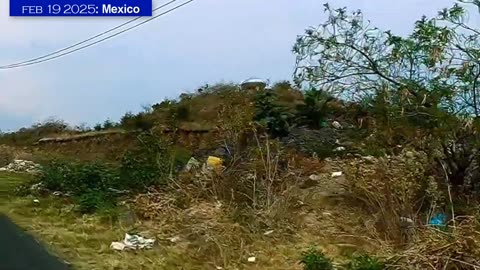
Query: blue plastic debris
{"type": "Point", "coordinates": [439, 220]}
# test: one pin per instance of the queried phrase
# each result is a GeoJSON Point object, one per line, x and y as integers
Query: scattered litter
{"type": "Point", "coordinates": [410, 154]}
{"type": "Point", "coordinates": [252, 259]}
{"type": "Point", "coordinates": [214, 162]}
{"type": "Point", "coordinates": [370, 159]}
{"type": "Point", "coordinates": [57, 193]}
{"type": "Point", "coordinates": [22, 166]}
{"type": "Point", "coordinates": [327, 214]}
{"type": "Point", "coordinates": [114, 190]}
{"type": "Point", "coordinates": [219, 268]}
{"type": "Point", "coordinates": [36, 201]}
{"type": "Point", "coordinates": [133, 242]}
{"type": "Point", "coordinates": [407, 222]}
{"type": "Point", "coordinates": [192, 164]}
{"type": "Point", "coordinates": [174, 239]}
{"type": "Point", "coordinates": [336, 174]}
{"type": "Point", "coordinates": [268, 232]}
{"type": "Point", "coordinates": [314, 177]}
{"type": "Point", "coordinates": [223, 152]}
{"type": "Point", "coordinates": [339, 149]}
{"type": "Point", "coordinates": [117, 246]}
{"type": "Point", "coordinates": [438, 220]}
{"type": "Point", "coordinates": [337, 125]}
{"type": "Point", "coordinates": [36, 187]}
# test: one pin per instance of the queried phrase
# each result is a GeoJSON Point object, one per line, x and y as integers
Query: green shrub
{"type": "Point", "coordinates": [365, 262]}
{"type": "Point", "coordinates": [146, 165]}
{"type": "Point", "coordinates": [78, 178]}
{"type": "Point", "coordinates": [109, 124]}
{"type": "Point", "coordinates": [182, 112]}
{"type": "Point", "coordinates": [315, 260]}
{"type": "Point", "coordinates": [138, 121]}
{"type": "Point", "coordinates": [94, 200]}
{"type": "Point", "coordinates": [55, 175]}
{"type": "Point", "coordinates": [88, 183]}
{"type": "Point", "coordinates": [275, 118]}
{"type": "Point", "coordinates": [314, 111]}
{"type": "Point", "coordinates": [97, 127]}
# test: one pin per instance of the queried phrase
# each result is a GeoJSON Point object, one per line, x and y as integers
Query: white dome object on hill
{"type": "Point", "coordinates": [253, 83]}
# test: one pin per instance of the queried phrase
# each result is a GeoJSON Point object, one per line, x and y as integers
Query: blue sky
{"type": "Point", "coordinates": [207, 41]}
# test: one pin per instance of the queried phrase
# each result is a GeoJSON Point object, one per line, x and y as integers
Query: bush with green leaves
{"type": "Point", "coordinates": [97, 127]}
{"type": "Point", "coordinates": [274, 117]}
{"type": "Point", "coordinates": [315, 260]}
{"type": "Point", "coordinates": [139, 121]}
{"type": "Point", "coordinates": [78, 178]}
{"type": "Point", "coordinates": [148, 164]}
{"type": "Point", "coordinates": [365, 262]}
{"type": "Point", "coordinates": [108, 124]}
{"type": "Point", "coordinates": [88, 183]}
{"type": "Point", "coordinates": [314, 111]}
{"type": "Point", "coordinates": [95, 200]}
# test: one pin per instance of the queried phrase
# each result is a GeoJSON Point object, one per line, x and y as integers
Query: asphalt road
{"type": "Point", "coordinates": [20, 251]}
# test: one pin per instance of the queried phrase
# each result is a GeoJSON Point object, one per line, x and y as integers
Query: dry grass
{"type": "Point", "coordinates": [256, 208]}
{"type": "Point", "coordinates": [457, 248]}
{"type": "Point", "coordinates": [6, 155]}
{"type": "Point", "coordinates": [391, 189]}
{"type": "Point", "coordinates": [209, 232]}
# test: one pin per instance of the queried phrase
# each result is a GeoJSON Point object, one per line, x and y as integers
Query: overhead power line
{"type": "Point", "coordinates": [86, 40]}
{"type": "Point", "coordinates": [49, 57]}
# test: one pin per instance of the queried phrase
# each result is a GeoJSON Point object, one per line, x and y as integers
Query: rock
{"type": "Point", "coordinates": [314, 177]}
{"type": "Point", "coordinates": [36, 201]}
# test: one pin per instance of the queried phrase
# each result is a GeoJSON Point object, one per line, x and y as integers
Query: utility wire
{"type": "Point", "coordinates": [46, 57]}
{"type": "Point", "coordinates": [86, 40]}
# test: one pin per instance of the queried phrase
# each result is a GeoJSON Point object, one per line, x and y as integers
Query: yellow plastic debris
{"type": "Point", "coordinates": [214, 162]}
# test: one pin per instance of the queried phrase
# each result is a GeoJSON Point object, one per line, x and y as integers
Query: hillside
{"type": "Point", "coordinates": [287, 182]}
